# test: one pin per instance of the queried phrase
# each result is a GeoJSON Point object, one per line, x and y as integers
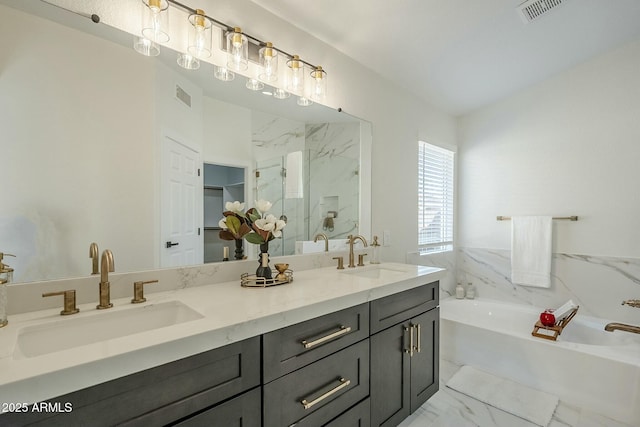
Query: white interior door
{"type": "Point", "coordinates": [181, 205]}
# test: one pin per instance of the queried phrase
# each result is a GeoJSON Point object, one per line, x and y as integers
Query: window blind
{"type": "Point", "coordinates": [435, 198]}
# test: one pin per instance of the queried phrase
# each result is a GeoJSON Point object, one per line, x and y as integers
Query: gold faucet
{"type": "Point", "coordinates": [106, 266]}
{"type": "Point", "coordinates": [622, 327]}
{"type": "Point", "coordinates": [632, 303]}
{"type": "Point", "coordinates": [325, 238]}
{"type": "Point", "coordinates": [93, 254]}
{"type": "Point", "coordinates": [351, 241]}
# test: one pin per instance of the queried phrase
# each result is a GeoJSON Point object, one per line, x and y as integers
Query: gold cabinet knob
{"type": "Point", "coordinates": [69, 301]}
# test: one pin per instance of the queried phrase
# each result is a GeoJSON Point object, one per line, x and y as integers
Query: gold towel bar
{"type": "Point", "coordinates": [570, 218]}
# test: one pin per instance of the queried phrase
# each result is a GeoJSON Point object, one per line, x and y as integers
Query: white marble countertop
{"type": "Point", "coordinates": [230, 313]}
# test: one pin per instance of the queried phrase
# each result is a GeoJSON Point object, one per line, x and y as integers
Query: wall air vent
{"type": "Point", "coordinates": [531, 10]}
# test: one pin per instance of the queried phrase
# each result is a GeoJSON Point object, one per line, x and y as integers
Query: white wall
{"type": "Point", "coordinates": [566, 146]}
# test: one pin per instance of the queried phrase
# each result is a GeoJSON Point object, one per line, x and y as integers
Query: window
{"type": "Point", "coordinates": [435, 198]}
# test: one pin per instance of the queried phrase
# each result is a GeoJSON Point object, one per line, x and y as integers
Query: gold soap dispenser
{"type": "Point", "coordinates": [6, 277]}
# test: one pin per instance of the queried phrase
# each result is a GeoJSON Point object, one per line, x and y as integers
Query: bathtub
{"type": "Point", "coordinates": [587, 366]}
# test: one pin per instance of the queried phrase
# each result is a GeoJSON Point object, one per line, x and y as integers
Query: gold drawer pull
{"type": "Point", "coordinates": [410, 349]}
{"type": "Point", "coordinates": [418, 337]}
{"type": "Point", "coordinates": [343, 383]}
{"type": "Point", "coordinates": [343, 330]}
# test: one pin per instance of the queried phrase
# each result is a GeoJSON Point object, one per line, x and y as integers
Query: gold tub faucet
{"type": "Point", "coordinates": [106, 266]}
{"type": "Point", "coordinates": [622, 327]}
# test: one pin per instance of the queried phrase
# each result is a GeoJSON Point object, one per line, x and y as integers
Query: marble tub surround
{"type": "Point", "coordinates": [446, 260]}
{"type": "Point", "coordinates": [229, 312]}
{"type": "Point", "coordinates": [598, 284]}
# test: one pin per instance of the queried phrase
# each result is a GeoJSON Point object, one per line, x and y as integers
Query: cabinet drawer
{"type": "Point", "coordinates": [211, 376]}
{"type": "Point", "coordinates": [293, 347]}
{"type": "Point", "coordinates": [358, 416]}
{"type": "Point", "coordinates": [242, 411]}
{"type": "Point", "coordinates": [399, 307]}
{"type": "Point", "coordinates": [317, 393]}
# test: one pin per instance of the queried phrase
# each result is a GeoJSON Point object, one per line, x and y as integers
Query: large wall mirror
{"type": "Point", "coordinates": [85, 121]}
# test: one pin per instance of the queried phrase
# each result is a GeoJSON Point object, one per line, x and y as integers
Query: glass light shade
{"type": "Point", "coordinates": [223, 73]}
{"type": "Point", "coordinates": [155, 20]}
{"type": "Point", "coordinates": [253, 84]}
{"type": "Point", "coordinates": [268, 63]}
{"type": "Point", "coordinates": [188, 61]}
{"type": "Point", "coordinates": [304, 102]}
{"type": "Point", "coordinates": [295, 75]}
{"type": "Point", "coordinates": [237, 50]}
{"type": "Point", "coordinates": [280, 93]}
{"type": "Point", "coordinates": [199, 44]}
{"type": "Point", "coordinates": [318, 83]}
{"type": "Point", "coordinates": [145, 46]}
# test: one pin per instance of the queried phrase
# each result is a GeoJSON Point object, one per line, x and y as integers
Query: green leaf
{"type": "Point", "coordinates": [233, 224]}
{"type": "Point", "coordinates": [254, 238]}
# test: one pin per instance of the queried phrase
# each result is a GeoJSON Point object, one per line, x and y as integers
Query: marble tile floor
{"type": "Point", "coordinates": [448, 408]}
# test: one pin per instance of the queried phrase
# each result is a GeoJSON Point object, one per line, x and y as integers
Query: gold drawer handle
{"type": "Point", "coordinates": [343, 383]}
{"type": "Point", "coordinates": [343, 330]}
{"type": "Point", "coordinates": [418, 333]}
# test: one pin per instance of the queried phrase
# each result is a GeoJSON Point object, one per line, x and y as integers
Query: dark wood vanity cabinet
{"type": "Point", "coordinates": [371, 364]}
{"type": "Point", "coordinates": [404, 356]}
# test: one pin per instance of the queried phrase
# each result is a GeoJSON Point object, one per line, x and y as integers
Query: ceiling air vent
{"type": "Point", "coordinates": [531, 10]}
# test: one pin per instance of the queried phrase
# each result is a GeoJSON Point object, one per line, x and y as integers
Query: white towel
{"type": "Point", "coordinates": [293, 180]}
{"type": "Point", "coordinates": [531, 250]}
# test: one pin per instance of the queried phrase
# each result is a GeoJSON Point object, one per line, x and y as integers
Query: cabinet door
{"type": "Point", "coordinates": [390, 370]}
{"type": "Point", "coordinates": [425, 359]}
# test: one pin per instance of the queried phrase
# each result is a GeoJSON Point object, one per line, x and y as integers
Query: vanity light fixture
{"type": "Point", "coordinates": [145, 46]}
{"type": "Point", "coordinates": [268, 63]}
{"type": "Point", "coordinates": [223, 73]}
{"type": "Point", "coordinates": [237, 50]}
{"type": "Point", "coordinates": [199, 35]}
{"type": "Point", "coordinates": [319, 83]}
{"type": "Point", "coordinates": [295, 74]}
{"type": "Point", "coordinates": [253, 84]}
{"type": "Point", "coordinates": [155, 20]}
{"type": "Point", "coordinates": [155, 31]}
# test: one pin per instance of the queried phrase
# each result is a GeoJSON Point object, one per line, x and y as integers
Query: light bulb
{"type": "Point", "coordinates": [269, 63]}
{"type": "Point", "coordinates": [237, 50]}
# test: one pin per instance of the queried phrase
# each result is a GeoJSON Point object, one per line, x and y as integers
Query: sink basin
{"type": "Point", "coordinates": [376, 272]}
{"type": "Point", "coordinates": [68, 333]}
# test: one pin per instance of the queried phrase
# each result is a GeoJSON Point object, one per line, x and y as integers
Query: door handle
{"type": "Point", "coordinates": [170, 244]}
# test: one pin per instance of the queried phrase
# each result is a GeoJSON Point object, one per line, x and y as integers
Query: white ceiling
{"type": "Point", "coordinates": [460, 55]}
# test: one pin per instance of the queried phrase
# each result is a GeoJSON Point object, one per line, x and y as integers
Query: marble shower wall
{"type": "Point", "coordinates": [598, 284]}
{"type": "Point", "coordinates": [334, 162]}
{"type": "Point", "coordinates": [331, 155]}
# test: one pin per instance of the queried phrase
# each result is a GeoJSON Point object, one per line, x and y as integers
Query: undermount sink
{"type": "Point", "coordinates": [68, 333]}
{"type": "Point", "coordinates": [375, 272]}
